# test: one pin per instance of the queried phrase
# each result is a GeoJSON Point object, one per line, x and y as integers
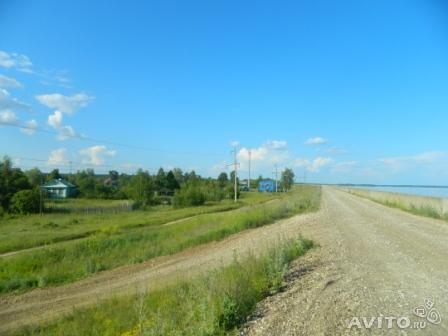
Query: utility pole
{"type": "Point", "coordinates": [248, 181]}
{"type": "Point", "coordinates": [276, 178]}
{"type": "Point", "coordinates": [235, 177]}
{"type": "Point", "coordinates": [41, 201]}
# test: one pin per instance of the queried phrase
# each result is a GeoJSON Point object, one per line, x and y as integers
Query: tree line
{"type": "Point", "coordinates": [21, 192]}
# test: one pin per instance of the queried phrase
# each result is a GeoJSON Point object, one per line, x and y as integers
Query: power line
{"type": "Point", "coordinates": [89, 139]}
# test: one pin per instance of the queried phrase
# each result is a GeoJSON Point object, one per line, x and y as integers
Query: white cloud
{"type": "Point", "coordinates": [55, 119]}
{"type": "Point", "coordinates": [314, 165]}
{"type": "Point", "coordinates": [271, 151]}
{"type": "Point", "coordinates": [64, 131]}
{"type": "Point", "coordinates": [65, 104]}
{"type": "Point", "coordinates": [13, 60]}
{"type": "Point", "coordinates": [276, 144]}
{"type": "Point", "coordinates": [95, 155]}
{"type": "Point", "coordinates": [8, 117]}
{"type": "Point", "coordinates": [316, 141]}
{"type": "Point", "coordinates": [30, 127]}
{"type": "Point", "coordinates": [57, 157]}
{"type": "Point", "coordinates": [8, 82]}
{"type": "Point", "coordinates": [8, 102]}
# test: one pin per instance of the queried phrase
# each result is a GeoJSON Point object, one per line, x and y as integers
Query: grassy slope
{"type": "Point", "coordinates": [425, 211]}
{"type": "Point", "coordinates": [34, 230]}
{"type": "Point", "coordinates": [112, 249]}
{"type": "Point", "coordinates": [213, 304]}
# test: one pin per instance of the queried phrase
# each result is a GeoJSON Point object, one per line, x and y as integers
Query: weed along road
{"type": "Point", "coordinates": [376, 268]}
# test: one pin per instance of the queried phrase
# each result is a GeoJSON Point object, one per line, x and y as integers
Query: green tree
{"type": "Point", "coordinates": [35, 177]}
{"type": "Point", "coordinates": [179, 175]}
{"type": "Point", "coordinates": [287, 179]}
{"type": "Point", "coordinates": [86, 183]}
{"type": "Point", "coordinates": [12, 180]}
{"type": "Point", "coordinates": [171, 182]}
{"type": "Point", "coordinates": [140, 187]}
{"type": "Point", "coordinates": [54, 175]}
{"type": "Point", "coordinates": [223, 179]}
{"type": "Point", "coordinates": [160, 180]}
{"type": "Point", "coordinates": [25, 202]}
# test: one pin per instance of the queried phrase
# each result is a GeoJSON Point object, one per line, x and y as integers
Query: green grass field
{"type": "Point", "coordinates": [34, 230]}
{"type": "Point", "coordinates": [121, 244]}
{"type": "Point", "coordinates": [216, 303]}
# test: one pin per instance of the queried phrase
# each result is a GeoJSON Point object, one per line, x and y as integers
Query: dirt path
{"type": "Point", "coordinates": [374, 261]}
{"type": "Point", "coordinates": [44, 304]}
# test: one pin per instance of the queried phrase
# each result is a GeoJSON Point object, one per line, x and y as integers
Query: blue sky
{"type": "Point", "coordinates": [346, 91]}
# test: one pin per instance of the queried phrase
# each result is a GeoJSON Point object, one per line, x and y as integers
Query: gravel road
{"type": "Point", "coordinates": [373, 261]}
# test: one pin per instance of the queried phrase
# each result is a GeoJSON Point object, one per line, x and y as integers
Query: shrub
{"type": "Point", "coordinates": [189, 195]}
{"type": "Point", "coordinates": [161, 200]}
{"type": "Point", "coordinates": [25, 202]}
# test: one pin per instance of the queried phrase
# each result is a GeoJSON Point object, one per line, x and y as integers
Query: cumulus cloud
{"type": "Point", "coordinates": [95, 155]}
{"type": "Point", "coordinates": [18, 61]}
{"type": "Point", "coordinates": [316, 141]}
{"type": "Point", "coordinates": [271, 151]}
{"type": "Point", "coordinates": [9, 83]}
{"type": "Point", "coordinates": [57, 157]}
{"type": "Point", "coordinates": [313, 165]}
{"type": "Point", "coordinates": [29, 127]}
{"type": "Point", "coordinates": [8, 117]}
{"type": "Point", "coordinates": [64, 104]}
{"type": "Point", "coordinates": [55, 119]}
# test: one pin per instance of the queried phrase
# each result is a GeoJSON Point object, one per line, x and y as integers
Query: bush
{"type": "Point", "coordinates": [161, 200]}
{"type": "Point", "coordinates": [189, 195]}
{"type": "Point", "coordinates": [25, 202]}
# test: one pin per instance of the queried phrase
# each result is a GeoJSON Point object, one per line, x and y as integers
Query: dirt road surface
{"type": "Point", "coordinates": [373, 261]}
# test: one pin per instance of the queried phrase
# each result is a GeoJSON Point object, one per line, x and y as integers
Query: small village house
{"type": "Point", "coordinates": [59, 188]}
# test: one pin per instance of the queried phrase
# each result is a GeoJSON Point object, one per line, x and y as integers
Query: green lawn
{"type": "Point", "coordinates": [112, 248]}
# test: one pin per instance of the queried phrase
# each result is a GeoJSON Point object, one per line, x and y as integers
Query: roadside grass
{"type": "Point", "coordinates": [425, 210]}
{"type": "Point", "coordinates": [23, 232]}
{"type": "Point", "coordinates": [85, 205]}
{"type": "Point", "coordinates": [215, 303]}
{"type": "Point", "coordinates": [113, 248]}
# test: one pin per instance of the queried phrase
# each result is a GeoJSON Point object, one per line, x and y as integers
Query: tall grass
{"type": "Point", "coordinates": [216, 303]}
{"type": "Point", "coordinates": [112, 248]}
{"type": "Point", "coordinates": [419, 210]}
{"type": "Point", "coordinates": [23, 232]}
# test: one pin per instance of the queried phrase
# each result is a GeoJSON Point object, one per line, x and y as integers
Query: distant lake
{"type": "Point", "coordinates": [412, 190]}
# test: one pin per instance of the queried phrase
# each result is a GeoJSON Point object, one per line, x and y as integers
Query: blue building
{"type": "Point", "coordinates": [266, 186]}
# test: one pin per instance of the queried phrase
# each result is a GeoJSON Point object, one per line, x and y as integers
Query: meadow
{"type": "Point", "coordinates": [117, 242]}
{"type": "Point", "coordinates": [21, 232]}
{"type": "Point", "coordinates": [215, 303]}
